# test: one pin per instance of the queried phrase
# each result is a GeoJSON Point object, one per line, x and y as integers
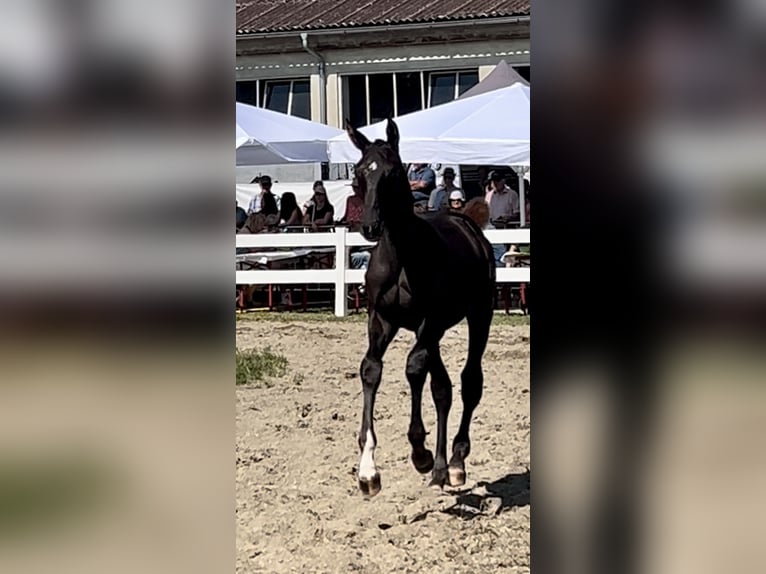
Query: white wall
{"type": "Point", "coordinates": [337, 192]}
{"type": "Point", "coordinates": [306, 172]}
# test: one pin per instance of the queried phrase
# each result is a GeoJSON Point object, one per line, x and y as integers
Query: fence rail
{"type": "Point", "coordinates": [341, 275]}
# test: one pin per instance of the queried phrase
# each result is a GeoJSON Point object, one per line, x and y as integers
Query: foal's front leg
{"type": "Point", "coordinates": [417, 369]}
{"type": "Point", "coordinates": [381, 333]}
{"type": "Point", "coordinates": [423, 358]}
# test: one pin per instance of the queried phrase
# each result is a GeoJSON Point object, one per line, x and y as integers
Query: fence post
{"type": "Point", "coordinates": [341, 256]}
{"type": "Point", "coordinates": [522, 211]}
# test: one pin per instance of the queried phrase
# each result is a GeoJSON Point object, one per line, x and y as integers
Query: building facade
{"type": "Point", "coordinates": [327, 60]}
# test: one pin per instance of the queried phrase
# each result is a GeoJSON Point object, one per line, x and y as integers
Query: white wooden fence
{"type": "Point", "coordinates": [341, 275]}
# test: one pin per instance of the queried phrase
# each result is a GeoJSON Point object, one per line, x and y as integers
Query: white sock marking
{"type": "Point", "coordinates": [367, 464]}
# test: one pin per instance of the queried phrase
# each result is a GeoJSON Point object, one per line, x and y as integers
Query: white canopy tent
{"type": "Point", "coordinates": [490, 128]}
{"type": "Point", "coordinates": [265, 137]}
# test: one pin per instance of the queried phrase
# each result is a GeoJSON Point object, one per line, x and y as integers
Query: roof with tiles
{"type": "Point", "coordinates": [295, 15]}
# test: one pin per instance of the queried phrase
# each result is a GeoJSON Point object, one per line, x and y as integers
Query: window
{"type": "Point", "coordinates": [370, 98]}
{"type": "Point", "coordinates": [442, 89]}
{"type": "Point", "coordinates": [276, 97]}
{"type": "Point", "coordinates": [301, 100]}
{"type": "Point", "coordinates": [247, 92]}
{"type": "Point", "coordinates": [355, 99]}
{"type": "Point", "coordinates": [287, 96]}
{"type": "Point", "coordinates": [523, 72]}
{"type": "Point", "coordinates": [445, 87]}
{"type": "Point", "coordinates": [381, 87]}
{"type": "Point", "coordinates": [409, 93]}
{"type": "Point", "coordinates": [466, 81]}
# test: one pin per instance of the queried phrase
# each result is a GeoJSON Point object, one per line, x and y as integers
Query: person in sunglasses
{"type": "Point", "coordinates": [439, 198]}
{"type": "Point", "coordinates": [319, 211]}
{"type": "Point", "coordinates": [456, 200]}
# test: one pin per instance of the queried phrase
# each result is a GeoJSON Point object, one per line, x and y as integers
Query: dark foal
{"type": "Point", "coordinates": [426, 274]}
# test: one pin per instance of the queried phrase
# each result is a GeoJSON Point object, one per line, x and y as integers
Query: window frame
{"type": "Point", "coordinates": [257, 82]}
{"type": "Point", "coordinates": [291, 90]}
{"type": "Point", "coordinates": [456, 86]}
{"type": "Point", "coordinates": [425, 87]}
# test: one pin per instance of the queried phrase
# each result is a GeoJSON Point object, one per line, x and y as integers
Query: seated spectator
{"type": "Point", "coordinates": [255, 201]}
{"type": "Point", "coordinates": [264, 202]}
{"type": "Point", "coordinates": [272, 223]}
{"type": "Point", "coordinates": [255, 223]}
{"type": "Point", "coordinates": [319, 211]}
{"type": "Point", "coordinates": [360, 259]}
{"type": "Point", "coordinates": [478, 210]}
{"type": "Point", "coordinates": [354, 208]}
{"type": "Point", "coordinates": [509, 257]}
{"type": "Point", "coordinates": [268, 200]}
{"type": "Point", "coordinates": [438, 199]}
{"type": "Point", "coordinates": [502, 200]}
{"type": "Point", "coordinates": [360, 256]}
{"type": "Point", "coordinates": [289, 212]}
{"type": "Point", "coordinates": [241, 217]}
{"type": "Point", "coordinates": [456, 200]}
{"type": "Point", "coordinates": [422, 181]}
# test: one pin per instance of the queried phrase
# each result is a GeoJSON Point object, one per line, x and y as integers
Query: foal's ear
{"type": "Point", "coordinates": [357, 137]}
{"type": "Point", "coordinates": [392, 134]}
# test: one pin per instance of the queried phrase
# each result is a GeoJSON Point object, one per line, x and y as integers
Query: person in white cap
{"type": "Point", "coordinates": [439, 198]}
{"type": "Point", "coordinates": [456, 200]}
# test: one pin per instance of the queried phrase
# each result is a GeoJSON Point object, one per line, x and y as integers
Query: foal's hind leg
{"type": "Point", "coordinates": [381, 333]}
{"type": "Point", "coordinates": [472, 384]}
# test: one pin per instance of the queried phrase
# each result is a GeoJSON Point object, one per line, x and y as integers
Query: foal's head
{"type": "Point", "coordinates": [382, 181]}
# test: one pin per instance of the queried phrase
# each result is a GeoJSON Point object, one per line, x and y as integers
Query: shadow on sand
{"type": "Point", "coordinates": [490, 498]}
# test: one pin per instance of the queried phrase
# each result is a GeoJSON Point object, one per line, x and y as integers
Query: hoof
{"type": "Point", "coordinates": [439, 477]}
{"type": "Point", "coordinates": [456, 476]}
{"type": "Point", "coordinates": [370, 486]}
{"type": "Point", "coordinates": [424, 462]}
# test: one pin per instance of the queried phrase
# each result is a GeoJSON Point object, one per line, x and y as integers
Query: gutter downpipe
{"type": "Point", "coordinates": [322, 67]}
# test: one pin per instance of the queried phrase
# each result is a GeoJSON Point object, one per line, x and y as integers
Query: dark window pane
{"type": "Point", "coordinates": [381, 97]}
{"type": "Point", "coordinates": [247, 92]}
{"type": "Point", "coordinates": [467, 80]}
{"type": "Point", "coordinates": [301, 99]}
{"type": "Point", "coordinates": [277, 94]}
{"type": "Point", "coordinates": [442, 88]}
{"type": "Point", "coordinates": [523, 72]}
{"type": "Point", "coordinates": [408, 93]}
{"type": "Point", "coordinates": [355, 100]}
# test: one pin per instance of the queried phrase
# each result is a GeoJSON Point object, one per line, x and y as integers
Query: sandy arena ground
{"type": "Point", "coordinates": [298, 505]}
